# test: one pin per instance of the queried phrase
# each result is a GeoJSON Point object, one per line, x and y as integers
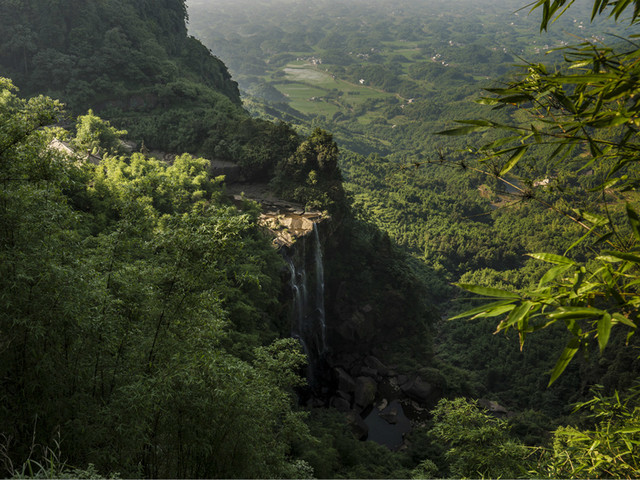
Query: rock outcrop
{"type": "Point", "coordinates": [417, 389]}
{"type": "Point", "coordinates": [365, 392]}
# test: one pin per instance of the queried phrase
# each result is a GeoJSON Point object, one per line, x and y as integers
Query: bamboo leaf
{"type": "Point", "coordinates": [604, 238]}
{"type": "Point", "coordinates": [487, 101]}
{"type": "Point", "coordinates": [495, 312]}
{"type": "Point", "coordinates": [634, 221]}
{"type": "Point", "coordinates": [536, 134]}
{"type": "Point", "coordinates": [551, 258]}
{"type": "Point", "coordinates": [608, 259]}
{"type": "Point", "coordinates": [480, 309]}
{"type": "Point", "coordinates": [553, 273]}
{"type": "Point", "coordinates": [596, 8]}
{"type": "Point", "coordinates": [628, 430]}
{"type": "Point", "coordinates": [580, 64]}
{"type": "Point", "coordinates": [624, 320]}
{"type": "Point", "coordinates": [604, 331]}
{"type": "Point", "coordinates": [487, 291]}
{"type": "Point", "coordinates": [585, 79]}
{"type": "Point", "coordinates": [580, 240]}
{"type": "Point", "coordinates": [567, 355]}
{"type": "Point", "coordinates": [629, 257]}
{"type": "Point", "coordinates": [500, 142]}
{"type": "Point", "coordinates": [515, 158]}
{"type": "Point", "coordinates": [608, 121]}
{"type": "Point", "coordinates": [606, 185]}
{"type": "Point", "coordinates": [461, 130]}
{"type": "Point", "coordinates": [516, 315]}
{"type": "Point", "coordinates": [481, 123]}
{"type": "Point", "coordinates": [515, 99]}
{"type": "Point", "coordinates": [574, 313]}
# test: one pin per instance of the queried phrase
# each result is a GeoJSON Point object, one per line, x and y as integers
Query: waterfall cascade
{"type": "Point", "coordinates": [320, 289]}
{"type": "Point", "coordinates": [308, 323]}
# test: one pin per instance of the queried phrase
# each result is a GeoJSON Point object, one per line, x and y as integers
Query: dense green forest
{"type": "Point", "coordinates": [147, 318]}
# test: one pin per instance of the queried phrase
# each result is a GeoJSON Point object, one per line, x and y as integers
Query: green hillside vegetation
{"type": "Point", "coordinates": [137, 304]}
{"type": "Point", "coordinates": [134, 64]}
{"type": "Point", "coordinates": [426, 68]}
{"type": "Point", "coordinates": [145, 318]}
{"type": "Point", "coordinates": [473, 213]}
{"type": "Point", "coordinates": [143, 313]}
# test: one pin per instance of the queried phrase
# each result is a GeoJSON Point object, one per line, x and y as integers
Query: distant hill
{"type": "Point", "coordinates": [85, 51]}
{"type": "Point", "coordinates": [133, 63]}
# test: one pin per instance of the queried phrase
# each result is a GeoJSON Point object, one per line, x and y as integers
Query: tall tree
{"type": "Point", "coordinates": [137, 314]}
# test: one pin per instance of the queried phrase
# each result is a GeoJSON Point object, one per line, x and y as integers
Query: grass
{"type": "Point", "coordinates": [308, 87]}
{"type": "Point", "coordinates": [301, 95]}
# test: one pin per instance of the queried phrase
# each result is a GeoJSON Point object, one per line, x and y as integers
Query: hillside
{"type": "Point", "coordinates": [145, 312]}
{"type": "Point", "coordinates": [192, 289]}
{"type": "Point", "coordinates": [134, 64]}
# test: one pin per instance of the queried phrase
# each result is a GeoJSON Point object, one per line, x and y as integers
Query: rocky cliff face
{"type": "Point", "coordinates": [348, 332]}
{"type": "Point", "coordinates": [351, 303]}
{"type": "Point", "coordinates": [305, 262]}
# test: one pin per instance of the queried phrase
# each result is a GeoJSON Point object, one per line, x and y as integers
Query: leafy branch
{"type": "Point", "coordinates": [587, 111]}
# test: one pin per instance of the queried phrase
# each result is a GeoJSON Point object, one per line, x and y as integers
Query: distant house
{"type": "Point", "coordinates": [361, 81]}
{"type": "Point", "coordinates": [545, 182]}
{"type": "Point", "coordinates": [62, 147]}
{"type": "Point", "coordinates": [66, 149]}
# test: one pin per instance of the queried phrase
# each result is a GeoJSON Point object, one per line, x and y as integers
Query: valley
{"type": "Point", "coordinates": [338, 239]}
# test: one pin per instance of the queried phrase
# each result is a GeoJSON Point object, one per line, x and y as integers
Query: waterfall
{"type": "Point", "coordinates": [308, 322]}
{"type": "Point", "coordinates": [320, 289]}
{"type": "Point", "coordinates": [299, 290]}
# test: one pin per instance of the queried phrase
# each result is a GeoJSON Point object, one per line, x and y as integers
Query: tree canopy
{"type": "Point", "coordinates": [138, 318]}
{"type": "Point", "coordinates": [584, 112]}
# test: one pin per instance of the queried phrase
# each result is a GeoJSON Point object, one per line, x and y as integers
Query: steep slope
{"type": "Point", "coordinates": [86, 52]}
{"type": "Point", "coordinates": [153, 291]}
{"type": "Point", "coordinates": [133, 63]}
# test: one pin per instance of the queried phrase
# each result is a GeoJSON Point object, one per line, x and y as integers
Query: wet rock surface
{"type": "Point", "coordinates": [358, 426]}
{"type": "Point", "coordinates": [494, 408]}
{"type": "Point", "coordinates": [287, 221]}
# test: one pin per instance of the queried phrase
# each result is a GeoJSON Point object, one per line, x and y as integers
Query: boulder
{"type": "Point", "coordinates": [375, 364]}
{"type": "Point", "coordinates": [494, 408]}
{"type": "Point", "coordinates": [340, 404]}
{"type": "Point", "coordinates": [390, 415]}
{"type": "Point", "coordinates": [345, 395]}
{"type": "Point", "coordinates": [358, 427]}
{"type": "Point", "coordinates": [345, 382]}
{"type": "Point", "coordinates": [417, 389]}
{"type": "Point", "coordinates": [369, 372]}
{"type": "Point", "coordinates": [365, 392]}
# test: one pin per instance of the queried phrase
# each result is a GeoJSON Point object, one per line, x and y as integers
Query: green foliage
{"type": "Point", "coordinates": [478, 445]}
{"type": "Point", "coordinates": [113, 48]}
{"type": "Point", "coordinates": [96, 135]}
{"type": "Point", "coordinates": [134, 64]}
{"type": "Point", "coordinates": [588, 107]}
{"type": "Point", "coordinates": [311, 175]}
{"type": "Point", "coordinates": [607, 448]}
{"type": "Point", "coordinates": [137, 317]}
{"type": "Point", "coordinates": [425, 469]}
{"type": "Point", "coordinates": [336, 453]}
{"type": "Point", "coordinates": [553, 9]}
